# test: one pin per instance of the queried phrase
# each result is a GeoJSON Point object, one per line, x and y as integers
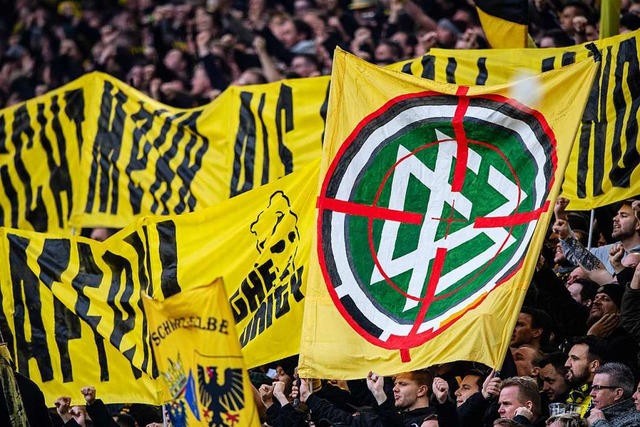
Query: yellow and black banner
{"type": "Point", "coordinates": [72, 312]}
{"type": "Point", "coordinates": [98, 153]}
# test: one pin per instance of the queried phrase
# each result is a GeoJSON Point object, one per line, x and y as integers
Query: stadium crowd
{"type": "Point", "coordinates": [573, 356]}
{"type": "Point", "coordinates": [185, 52]}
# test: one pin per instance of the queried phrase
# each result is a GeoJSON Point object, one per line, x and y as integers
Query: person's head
{"type": "Point", "coordinates": [305, 65]}
{"type": "Point", "coordinates": [576, 273]}
{"type": "Point", "coordinates": [250, 76]}
{"type": "Point", "coordinates": [516, 392]}
{"type": "Point", "coordinates": [612, 383]}
{"type": "Point", "coordinates": [567, 420]}
{"type": "Point", "coordinates": [387, 52]}
{"type": "Point", "coordinates": [636, 397]}
{"type": "Point", "coordinates": [586, 355]}
{"type": "Point", "coordinates": [175, 61]}
{"type": "Point", "coordinates": [552, 375]}
{"type": "Point", "coordinates": [532, 328]}
{"type": "Point", "coordinates": [625, 224]}
{"type": "Point", "coordinates": [407, 41]}
{"type": "Point", "coordinates": [124, 420]}
{"type": "Point", "coordinates": [555, 38]}
{"type": "Point", "coordinates": [470, 384]}
{"type": "Point", "coordinates": [607, 301]}
{"type": "Point", "coordinates": [570, 10]}
{"type": "Point", "coordinates": [527, 360]}
{"type": "Point", "coordinates": [200, 82]}
{"type": "Point", "coordinates": [285, 371]}
{"type": "Point", "coordinates": [411, 389]}
{"type": "Point", "coordinates": [447, 33]}
{"type": "Point", "coordinates": [583, 291]}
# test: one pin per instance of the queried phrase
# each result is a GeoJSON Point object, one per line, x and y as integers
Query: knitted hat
{"type": "Point", "coordinates": [614, 291]}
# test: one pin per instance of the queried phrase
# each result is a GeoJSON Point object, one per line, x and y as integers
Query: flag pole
{"type": "Point", "coordinates": [590, 237]}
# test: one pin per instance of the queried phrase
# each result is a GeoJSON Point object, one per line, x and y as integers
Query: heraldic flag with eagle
{"type": "Point", "coordinates": [196, 348]}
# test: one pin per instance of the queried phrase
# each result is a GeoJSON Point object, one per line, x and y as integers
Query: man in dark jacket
{"type": "Point", "coordinates": [410, 406]}
{"type": "Point", "coordinates": [611, 392]}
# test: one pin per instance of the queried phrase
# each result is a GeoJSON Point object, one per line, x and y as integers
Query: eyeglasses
{"type": "Point", "coordinates": [602, 387]}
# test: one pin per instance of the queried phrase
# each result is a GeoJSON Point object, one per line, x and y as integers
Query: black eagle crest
{"type": "Point", "coordinates": [220, 398]}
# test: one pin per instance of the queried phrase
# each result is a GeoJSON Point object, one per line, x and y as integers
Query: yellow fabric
{"type": "Point", "coordinates": [97, 152]}
{"type": "Point", "coordinates": [331, 347]}
{"type": "Point", "coordinates": [604, 162]}
{"type": "Point", "coordinates": [199, 359]}
{"type": "Point", "coordinates": [609, 18]}
{"type": "Point", "coordinates": [503, 34]}
{"type": "Point", "coordinates": [258, 242]}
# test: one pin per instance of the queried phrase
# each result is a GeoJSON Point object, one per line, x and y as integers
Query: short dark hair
{"type": "Point", "coordinates": [597, 348]}
{"type": "Point", "coordinates": [557, 360]}
{"type": "Point", "coordinates": [589, 288]}
{"type": "Point", "coordinates": [540, 319]}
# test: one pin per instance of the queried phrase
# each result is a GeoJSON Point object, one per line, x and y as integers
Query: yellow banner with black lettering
{"type": "Point", "coordinates": [97, 152]}
{"type": "Point", "coordinates": [48, 289]}
{"type": "Point", "coordinates": [605, 161]}
{"type": "Point", "coordinates": [434, 204]}
{"type": "Point", "coordinates": [69, 303]}
{"type": "Point", "coordinates": [199, 359]}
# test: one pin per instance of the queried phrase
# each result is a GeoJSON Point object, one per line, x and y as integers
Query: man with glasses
{"type": "Point", "coordinates": [611, 392]}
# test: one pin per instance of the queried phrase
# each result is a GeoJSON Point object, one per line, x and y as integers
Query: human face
{"type": "Point", "coordinates": [578, 366]}
{"type": "Point", "coordinates": [625, 224]}
{"type": "Point", "coordinates": [602, 304]}
{"type": "Point", "coordinates": [553, 384]}
{"type": "Point", "coordinates": [523, 358]}
{"type": "Point", "coordinates": [406, 391]}
{"type": "Point", "coordinates": [606, 396]}
{"type": "Point", "coordinates": [468, 386]}
{"type": "Point", "coordinates": [577, 273]}
{"type": "Point", "coordinates": [523, 333]}
{"type": "Point", "coordinates": [636, 397]}
{"type": "Point", "coordinates": [509, 401]}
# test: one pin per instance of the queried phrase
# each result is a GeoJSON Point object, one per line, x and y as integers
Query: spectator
{"type": "Point", "coordinates": [611, 392]}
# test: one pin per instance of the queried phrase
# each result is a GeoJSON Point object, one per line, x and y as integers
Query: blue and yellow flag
{"type": "Point", "coordinates": [434, 203]}
{"type": "Point", "coordinates": [196, 349]}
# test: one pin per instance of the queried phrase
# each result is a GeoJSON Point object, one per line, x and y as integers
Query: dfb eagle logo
{"type": "Point", "coordinates": [219, 398]}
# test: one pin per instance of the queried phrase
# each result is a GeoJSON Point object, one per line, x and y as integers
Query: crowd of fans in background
{"type": "Point", "coordinates": [576, 339]}
{"type": "Point", "coordinates": [186, 52]}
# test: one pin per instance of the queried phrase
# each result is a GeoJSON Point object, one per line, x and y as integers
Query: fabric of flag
{"type": "Point", "coordinates": [432, 210]}
{"type": "Point", "coordinates": [199, 358]}
{"type": "Point", "coordinates": [505, 22]}
{"type": "Point", "coordinates": [71, 307]}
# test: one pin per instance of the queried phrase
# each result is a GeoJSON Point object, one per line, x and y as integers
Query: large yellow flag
{"type": "Point", "coordinates": [198, 355]}
{"type": "Point", "coordinates": [71, 307]}
{"type": "Point", "coordinates": [432, 211]}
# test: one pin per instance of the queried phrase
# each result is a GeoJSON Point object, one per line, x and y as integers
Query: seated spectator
{"type": "Point", "coordinates": [520, 401]}
{"type": "Point", "coordinates": [612, 392]}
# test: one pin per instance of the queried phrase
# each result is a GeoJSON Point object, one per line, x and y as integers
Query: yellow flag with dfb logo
{"type": "Point", "coordinates": [199, 358]}
{"type": "Point", "coordinates": [431, 215]}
